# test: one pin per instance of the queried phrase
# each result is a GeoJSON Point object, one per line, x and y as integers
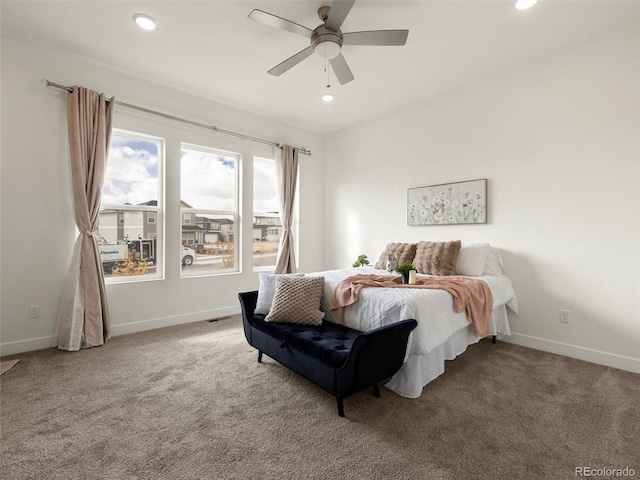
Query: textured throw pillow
{"type": "Point", "coordinates": [437, 258]}
{"type": "Point", "coordinates": [267, 291]}
{"type": "Point", "coordinates": [471, 259]}
{"type": "Point", "coordinates": [404, 252]}
{"type": "Point", "coordinates": [297, 300]}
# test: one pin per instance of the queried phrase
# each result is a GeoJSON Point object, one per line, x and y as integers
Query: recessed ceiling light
{"type": "Point", "coordinates": [327, 97]}
{"type": "Point", "coordinates": [145, 21]}
{"type": "Point", "coordinates": [524, 4]}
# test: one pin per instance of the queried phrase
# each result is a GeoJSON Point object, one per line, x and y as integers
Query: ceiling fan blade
{"type": "Point", "coordinates": [338, 12]}
{"type": "Point", "coordinates": [376, 37]}
{"type": "Point", "coordinates": [279, 22]}
{"type": "Point", "coordinates": [341, 69]}
{"type": "Point", "coordinates": [291, 62]}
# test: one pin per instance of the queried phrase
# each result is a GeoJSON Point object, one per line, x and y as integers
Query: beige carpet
{"type": "Point", "coordinates": [192, 402]}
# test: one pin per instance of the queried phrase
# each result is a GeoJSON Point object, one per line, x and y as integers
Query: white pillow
{"type": "Point", "coordinates": [267, 291]}
{"type": "Point", "coordinates": [471, 259]}
{"type": "Point", "coordinates": [494, 262]}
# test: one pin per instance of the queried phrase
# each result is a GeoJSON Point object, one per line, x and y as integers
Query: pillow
{"type": "Point", "coordinates": [494, 262]}
{"type": "Point", "coordinates": [471, 259]}
{"type": "Point", "coordinates": [267, 291]}
{"type": "Point", "coordinates": [297, 300]}
{"type": "Point", "coordinates": [404, 252]}
{"type": "Point", "coordinates": [437, 258]}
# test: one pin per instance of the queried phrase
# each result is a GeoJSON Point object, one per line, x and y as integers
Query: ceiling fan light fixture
{"type": "Point", "coordinates": [327, 45]}
{"type": "Point", "coordinates": [328, 50]}
{"type": "Point", "coordinates": [524, 4]}
{"type": "Point", "coordinates": [145, 21]}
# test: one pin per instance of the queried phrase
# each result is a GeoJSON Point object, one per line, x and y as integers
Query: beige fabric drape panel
{"type": "Point", "coordinates": [83, 318]}
{"type": "Point", "coordinates": [287, 172]}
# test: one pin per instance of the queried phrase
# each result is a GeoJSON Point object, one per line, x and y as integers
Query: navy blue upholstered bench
{"type": "Point", "coordinates": [339, 359]}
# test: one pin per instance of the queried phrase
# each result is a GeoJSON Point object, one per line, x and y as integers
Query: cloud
{"type": "Point", "coordinates": [132, 172]}
{"type": "Point", "coordinates": [208, 180]}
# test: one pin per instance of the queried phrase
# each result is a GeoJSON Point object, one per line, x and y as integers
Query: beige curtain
{"type": "Point", "coordinates": [287, 173]}
{"type": "Point", "coordinates": [83, 318]}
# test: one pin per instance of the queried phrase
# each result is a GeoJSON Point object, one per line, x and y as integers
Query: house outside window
{"type": "Point", "coordinates": [209, 208]}
{"type": "Point", "coordinates": [130, 219]}
{"type": "Point", "coordinates": [267, 227]}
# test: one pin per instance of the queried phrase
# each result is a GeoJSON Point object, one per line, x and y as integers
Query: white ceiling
{"type": "Point", "coordinates": [212, 49]}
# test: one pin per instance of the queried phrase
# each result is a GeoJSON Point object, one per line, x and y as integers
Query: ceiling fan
{"type": "Point", "coordinates": [327, 39]}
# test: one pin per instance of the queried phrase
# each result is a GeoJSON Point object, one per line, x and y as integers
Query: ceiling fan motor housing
{"type": "Point", "coordinates": [326, 42]}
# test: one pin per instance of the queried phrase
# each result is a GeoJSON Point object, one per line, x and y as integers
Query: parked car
{"type": "Point", "coordinates": [188, 256]}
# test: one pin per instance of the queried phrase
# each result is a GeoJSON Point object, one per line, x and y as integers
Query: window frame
{"type": "Point", "coordinates": [234, 214]}
{"type": "Point", "coordinates": [269, 223]}
{"type": "Point", "coordinates": [159, 209]}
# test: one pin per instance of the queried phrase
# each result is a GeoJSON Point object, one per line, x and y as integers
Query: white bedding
{"type": "Point", "coordinates": [441, 333]}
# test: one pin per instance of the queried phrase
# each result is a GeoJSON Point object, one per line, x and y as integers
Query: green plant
{"type": "Point", "coordinates": [405, 267]}
{"type": "Point", "coordinates": [362, 260]}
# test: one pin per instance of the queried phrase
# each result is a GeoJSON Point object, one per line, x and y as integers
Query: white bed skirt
{"type": "Point", "coordinates": [418, 370]}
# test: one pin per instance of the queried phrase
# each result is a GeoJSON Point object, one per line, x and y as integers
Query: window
{"type": "Point", "coordinates": [130, 219]}
{"type": "Point", "coordinates": [209, 208]}
{"type": "Point", "coordinates": [265, 214]}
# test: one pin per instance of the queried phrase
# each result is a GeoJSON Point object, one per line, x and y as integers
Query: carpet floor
{"type": "Point", "coordinates": [191, 402]}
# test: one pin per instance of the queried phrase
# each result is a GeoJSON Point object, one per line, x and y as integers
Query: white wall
{"type": "Point", "coordinates": [559, 141]}
{"type": "Point", "coordinates": [37, 214]}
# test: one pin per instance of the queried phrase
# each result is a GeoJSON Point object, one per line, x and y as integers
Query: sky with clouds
{"type": "Point", "coordinates": [132, 172]}
{"type": "Point", "coordinates": [208, 179]}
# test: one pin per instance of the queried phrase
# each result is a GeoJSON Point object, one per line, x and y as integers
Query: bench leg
{"type": "Point", "coordinates": [376, 390]}
{"type": "Point", "coordinates": [340, 407]}
{"type": "Point", "coordinates": [259, 356]}
{"type": "Point", "coordinates": [493, 339]}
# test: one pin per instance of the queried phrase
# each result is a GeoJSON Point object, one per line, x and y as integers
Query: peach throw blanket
{"type": "Point", "coordinates": [470, 295]}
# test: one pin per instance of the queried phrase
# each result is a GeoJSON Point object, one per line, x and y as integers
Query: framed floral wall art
{"type": "Point", "coordinates": [448, 203]}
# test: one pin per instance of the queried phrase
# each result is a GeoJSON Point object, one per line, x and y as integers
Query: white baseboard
{"type": "Point", "coordinates": [29, 345]}
{"type": "Point", "coordinates": [589, 355]}
{"type": "Point", "coordinates": [134, 327]}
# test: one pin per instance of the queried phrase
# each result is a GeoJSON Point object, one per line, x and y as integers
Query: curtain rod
{"type": "Point", "coordinates": [301, 150]}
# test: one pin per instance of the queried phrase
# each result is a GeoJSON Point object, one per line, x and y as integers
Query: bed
{"type": "Point", "coordinates": [441, 334]}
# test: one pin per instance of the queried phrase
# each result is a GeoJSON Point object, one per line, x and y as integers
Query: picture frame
{"type": "Point", "coordinates": [457, 203]}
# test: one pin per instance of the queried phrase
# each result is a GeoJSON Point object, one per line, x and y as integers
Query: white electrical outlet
{"type": "Point", "coordinates": [34, 311]}
{"type": "Point", "coordinates": [565, 316]}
